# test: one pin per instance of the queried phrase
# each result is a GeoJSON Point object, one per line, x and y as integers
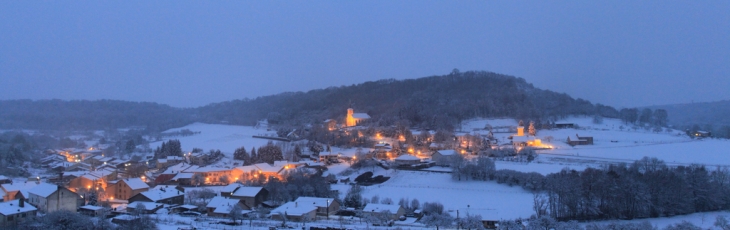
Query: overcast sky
{"type": "Point", "coordinates": [191, 53]}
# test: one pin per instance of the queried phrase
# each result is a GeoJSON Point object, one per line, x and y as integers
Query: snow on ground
{"type": "Point", "coordinates": [480, 123]}
{"type": "Point", "coordinates": [614, 144]}
{"type": "Point", "coordinates": [704, 220]}
{"type": "Point", "coordinates": [509, 202]}
{"type": "Point", "coordinates": [227, 138]}
{"type": "Point", "coordinates": [538, 166]}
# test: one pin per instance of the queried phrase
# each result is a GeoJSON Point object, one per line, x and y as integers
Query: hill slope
{"type": "Point", "coordinates": [431, 102]}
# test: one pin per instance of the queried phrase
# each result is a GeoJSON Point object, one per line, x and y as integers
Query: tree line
{"type": "Point", "coordinates": [643, 189]}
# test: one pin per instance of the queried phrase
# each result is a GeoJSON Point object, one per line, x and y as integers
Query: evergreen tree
{"type": "Point", "coordinates": [241, 154]}
{"type": "Point", "coordinates": [254, 158]}
{"type": "Point", "coordinates": [92, 198]}
{"type": "Point", "coordinates": [270, 153]}
{"type": "Point", "coordinates": [531, 130]}
{"type": "Point", "coordinates": [169, 148]}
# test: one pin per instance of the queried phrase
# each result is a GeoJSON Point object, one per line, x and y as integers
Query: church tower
{"type": "Point", "coordinates": [350, 120]}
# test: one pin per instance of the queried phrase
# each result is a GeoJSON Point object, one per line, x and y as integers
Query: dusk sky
{"type": "Point", "coordinates": [191, 53]}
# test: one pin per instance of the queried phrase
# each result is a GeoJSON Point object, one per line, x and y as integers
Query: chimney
{"type": "Point", "coordinates": [296, 204]}
{"type": "Point", "coordinates": [21, 203]}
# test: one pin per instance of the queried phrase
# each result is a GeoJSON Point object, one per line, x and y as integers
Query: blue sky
{"type": "Point", "coordinates": [191, 53]}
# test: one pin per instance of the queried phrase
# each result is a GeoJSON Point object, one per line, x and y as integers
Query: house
{"type": "Point", "coordinates": [250, 197]}
{"type": "Point", "coordinates": [489, 217]}
{"type": "Point", "coordinates": [215, 175]}
{"type": "Point", "coordinates": [220, 206]}
{"type": "Point", "coordinates": [92, 180]}
{"type": "Point", "coordinates": [171, 175]}
{"type": "Point", "coordinates": [17, 190]}
{"type": "Point", "coordinates": [407, 159]}
{"type": "Point", "coordinates": [49, 198]}
{"type": "Point", "coordinates": [161, 194]}
{"type": "Point", "coordinates": [182, 179]}
{"type": "Point", "coordinates": [443, 157]}
{"type": "Point", "coordinates": [295, 211]}
{"type": "Point", "coordinates": [91, 210]}
{"type": "Point", "coordinates": [524, 141]}
{"type": "Point", "coordinates": [395, 211]}
{"type": "Point", "coordinates": [125, 189]}
{"type": "Point", "coordinates": [699, 134]}
{"type": "Point", "coordinates": [170, 160]}
{"type": "Point", "coordinates": [328, 157]}
{"type": "Point", "coordinates": [353, 119]}
{"type": "Point", "coordinates": [269, 170]}
{"type": "Point", "coordinates": [325, 206]}
{"type": "Point", "coordinates": [580, 140]}
{"type": "Point", "coordinates": [14, 211]}
{"type": "Point", "coordinates": [149, 207]}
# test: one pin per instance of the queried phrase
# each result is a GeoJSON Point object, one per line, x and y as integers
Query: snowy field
{"type": "Point", "coordinates": [227, 138]}
{"type": "Point", "coordinates": [509, 202]}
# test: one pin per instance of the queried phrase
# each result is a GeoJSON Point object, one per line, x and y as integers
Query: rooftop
{"type": "Point", "coordinates": [136, 183]}
{"type": "Point", "coordinates": [13, 207]}
{"type": "Point", "coordinates": [43, 189]}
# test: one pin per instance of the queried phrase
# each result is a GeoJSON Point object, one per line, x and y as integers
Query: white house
{"type": "Point", "coordinates": [49, 198]}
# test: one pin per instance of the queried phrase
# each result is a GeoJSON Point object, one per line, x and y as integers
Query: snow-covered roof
{"type": "Point", "coordinates": [136, 183]}
{"type": "Point", "coordinates": [407, 157]}
{"type": "Point", "coordinates": [247, 168]}
{"type": "Point", "coordinates": [221, 204]}
{"type": "Point", "coordinates": [264, 167]}
{"type": "Point", "coordinates": [294, 208]}
{"type": "Point", "coordinates": [231, 187]}
{"type": "Point", "coordinates": [22, 187]}
{"type": "Point", "coordinates": [360, 116]}
{"type": "Point", "coordinates": [43, 189]}
{"type": "Point", "coordinates": [175, 158]}
{"type": "Point", "coordinates": [447, 152]}
{"type": "Point", "coordinates": [161, 161]}
{"type": "Point", "coordinates": [181, 167]}
{"type": "Point", "coordinates": [13, 207]}
{"type": "Point", "coordinates": [316, 201]}
{"type": "Point", "coordinates": [183, 176]}
{"type": "Point", "coordinates": [161, 192]}
{"type": "Point", "coordinates": [247, 191]}
{"type": "Point", "coordinates": [149, 206]}
{"type": "Point", "coordinates": [91, 207]}
{"type": "Point", "coordinates": [371, 207]}
{"type": "Point", "coordinates": [210, 169]}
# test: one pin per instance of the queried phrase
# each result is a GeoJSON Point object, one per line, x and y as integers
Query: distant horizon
{"type": "Point", "coordinates": [188, 54]}
{"type": "Point", "coordinates": [214, 102]}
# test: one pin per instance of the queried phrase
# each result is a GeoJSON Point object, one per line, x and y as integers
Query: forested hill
{"type": "Point", "coordinates": [706, 115]}
{"type": "Point", "coordinates": [430, 102]}
{"type": "Point", "coordinates": [89, 115]}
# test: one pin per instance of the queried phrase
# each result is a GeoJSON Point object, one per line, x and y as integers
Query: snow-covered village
{"type": "Point", "coordinates": [349, 115]}
{"type": "Point", "coordinates": [487, 174]}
